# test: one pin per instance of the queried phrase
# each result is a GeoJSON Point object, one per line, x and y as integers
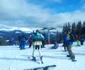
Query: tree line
{"type": "Point", "coordinates": [75, 28]}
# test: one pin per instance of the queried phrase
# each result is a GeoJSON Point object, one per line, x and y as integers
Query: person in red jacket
{"type": "Point", "coordinates": [77, 40]}
{"type": "Point", "coordinates": [30, 41]}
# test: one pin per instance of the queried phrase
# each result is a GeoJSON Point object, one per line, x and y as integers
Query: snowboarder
{"type": "Point", "coordinates": [69, 46]}
{"type": "Point", "coordinates": [56, 45]}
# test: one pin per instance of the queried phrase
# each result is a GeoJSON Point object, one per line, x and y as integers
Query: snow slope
{"type": "Point", "coordinates": [11, 58]}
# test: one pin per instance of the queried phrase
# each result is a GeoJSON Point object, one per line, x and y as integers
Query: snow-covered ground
{"type": "Point", "coordinates": [11, 58]}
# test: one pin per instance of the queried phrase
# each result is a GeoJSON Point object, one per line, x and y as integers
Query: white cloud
{"type": "Point", "coordinates": [72, 16]}
{"type": "Point", "coordinates": [19, 13]}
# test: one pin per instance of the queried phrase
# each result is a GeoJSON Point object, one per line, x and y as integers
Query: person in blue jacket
{"type": "Point", "coordinates": [69, 46]}
{"type": "Point", "coordinates": [22, 42]}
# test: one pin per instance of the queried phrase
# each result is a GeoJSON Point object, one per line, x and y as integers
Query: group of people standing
{"type": "Point", "coordinates": [36, 39]}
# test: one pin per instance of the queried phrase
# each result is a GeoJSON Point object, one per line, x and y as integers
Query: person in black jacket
{"type": "Point", "coordinates": [81, 40]}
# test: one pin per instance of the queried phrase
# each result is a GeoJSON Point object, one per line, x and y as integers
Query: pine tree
{"type": "Point", "coordinates": [79, 26]}
{"type": "Point", "coordinates": [74, 28]}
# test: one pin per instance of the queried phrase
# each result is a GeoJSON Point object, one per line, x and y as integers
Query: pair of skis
{"type": "Point", "coordinates": [41, 61]}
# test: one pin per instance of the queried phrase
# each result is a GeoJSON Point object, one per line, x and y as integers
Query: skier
{"type": "Point", "coordinates": [37, 38]}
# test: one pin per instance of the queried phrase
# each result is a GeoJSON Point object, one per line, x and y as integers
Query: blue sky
{"type": "Point", "coordinates": [59, 5]}
{"type": "Point", "coordinates": [40, 13]}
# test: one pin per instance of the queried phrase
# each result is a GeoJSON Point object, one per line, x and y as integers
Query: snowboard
{"type": "Point", "coordinates": [45, 67]}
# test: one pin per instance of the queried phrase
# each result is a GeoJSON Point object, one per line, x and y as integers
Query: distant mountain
{"type": "Point", "coordinates": [12, 34]}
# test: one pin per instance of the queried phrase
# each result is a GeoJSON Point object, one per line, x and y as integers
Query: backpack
{"type": "Point", "coordinates": [72, 38]}
{"type": "Point", "coordinates": [37, 37]}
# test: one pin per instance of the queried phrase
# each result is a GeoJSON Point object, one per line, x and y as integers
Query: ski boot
{"type": "Point", "coordinates": [33, 58]}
